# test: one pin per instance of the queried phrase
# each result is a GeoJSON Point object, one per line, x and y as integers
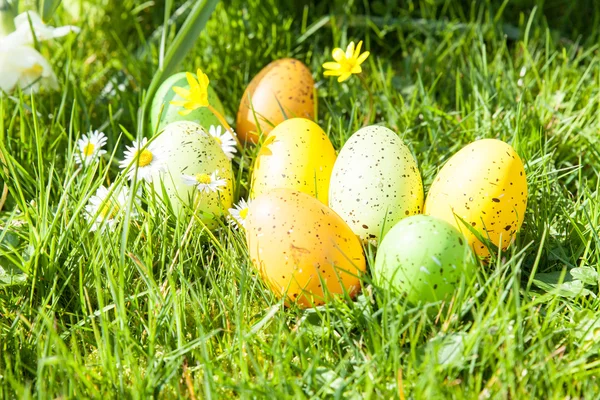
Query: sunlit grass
{"type": "Point", "coordinates": [82, 315]}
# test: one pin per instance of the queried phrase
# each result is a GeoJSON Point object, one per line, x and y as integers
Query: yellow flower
{"type": "Point", "coordinates": [347, 63]}
{"type": "Point", "coordinates": [196, 96]}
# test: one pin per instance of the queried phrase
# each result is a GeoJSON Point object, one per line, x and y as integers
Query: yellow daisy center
{"type": "Point", "coordinates": [203, 179]}
{"type": "Point", "coordinates": [109, 210]}
{"type": "Point", "coordinates": [218, 140]}
{"type": "Point", "coordinates": [145, 158]}
{"type": "Point", "coordinates": [244, 213]}
{"type": "Point", "coordinates": [88, 150]}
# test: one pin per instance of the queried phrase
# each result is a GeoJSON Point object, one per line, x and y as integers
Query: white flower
{"type": "Point", "coordinates": [20, 63]}
{"type": "Point", "coordinates": [89, 148]}
{"type": "Point", "coordinates": [106, 207]}
{"type": "Point", "coordinates": [205, 183]}
{"type": "Point", "coordinates": [226, 140]}
{"type": "Point", "coordinates": [239, 213]}
{"type": "Point", "coordinates": [521, 75]}
{"type": "Point", "coordinates": [24, 32]}
{"type": "Point", "coordinates": [147, 158]}
{"type": "Point", "coordinates": [25, 67]}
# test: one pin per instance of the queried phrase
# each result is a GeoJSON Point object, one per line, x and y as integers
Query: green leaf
{"type": "Point", "coordinates": [47, 8]}
{"type": "Point", "coordinates": [449, 349]}
{"type": "Point", "coordinates": [8, 11]}
{"type": "Point", "coordinates": [11, 276]}
{"type": "Point", "coordinates": [562, 284]}
{"type": "Point", "coordinates": [551, 279]}
{"type": "Point", "coordinates": [178, 50]}
{"type": "Point", "coordinates": [587, 275]}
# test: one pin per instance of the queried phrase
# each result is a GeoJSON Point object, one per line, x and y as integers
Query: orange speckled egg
{"type": "Point", "coordinates": [298, 245]}
{"type": "Point", "coordinates": [297, 155]}
{"type": "Point", "coordinates": [485, 185]}
{"type": "Point", "coordinates": [283, 85]}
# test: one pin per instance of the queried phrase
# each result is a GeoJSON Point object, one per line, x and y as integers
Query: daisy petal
{"type": "Point", "coordinates": [191, 81]}
{"type": "Point", "coordinates": [184, 112]}
{"type": "Point", "coordinates": [357, 51]}
{"type": "Point", "coordinates": [181, 92]}
{"type": "Point", "coordinates": [332, 65]}
{"type": "Point", "coordinates": [332, 73]}
{"type": "Point", "coordinates": [191, 105]}
{"type": "Point", "coordinates": [357, 69]}
{"type": "Point", "coordinates": [338, 55]}
{"type": "Point", "coordinates": [350, 50]}
{"type": "Point", "coordinates": [202, 78]}
{"type": "Point", "coordinates": [344, 76]}
{"type": "Point", "coordinates": [361, 59]}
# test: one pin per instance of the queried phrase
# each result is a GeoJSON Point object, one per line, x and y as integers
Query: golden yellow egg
{"type": "Point", "coordinates": [297, 155]}
{"type": "Point", "coordinates": [484, 184]}
{"type": "Point", "coordinates": [283, 89]}
{"type": "Point", "coordinates": [300, 247]}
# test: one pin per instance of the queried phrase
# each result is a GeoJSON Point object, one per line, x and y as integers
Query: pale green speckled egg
{"type": "Point", "coordinates": [161, 107]}
{"type": "Point", "coordinates": [424, 258]}
{"type": "Point", "coordinates": [190, 150]}
{"type": "Point", "coordinates": [375, 182]}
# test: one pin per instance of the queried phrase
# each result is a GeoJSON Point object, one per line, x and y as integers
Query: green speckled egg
{"type": "Point", "coordinates": [190, 150]}
{"type": "Point", "coordinates": [425, 258]}
{"type": "Point", "coordinates": [375, 182]}
{"type": "Point", "coordinates": [165, 94]}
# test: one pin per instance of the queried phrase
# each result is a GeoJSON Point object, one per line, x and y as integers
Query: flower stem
{"type": "Point", "coordinates": [226, 125]}
{"type": "Point", "coordinates": [5, 188]}
{"type": "Point", "coordinates": [367, 119]}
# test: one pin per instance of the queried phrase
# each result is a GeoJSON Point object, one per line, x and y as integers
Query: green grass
{"type": "Point", "coordinates": [119, 315]}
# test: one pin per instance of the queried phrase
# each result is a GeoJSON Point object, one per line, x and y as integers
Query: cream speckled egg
{"type": "Point", "coordinates": [301, 247]}
{"type": "Point", "coordinates": [296, 155]}
{"type": "Point", "coordinates": [375, 182]}
{"type": "Point", "coordinates": [190, 151]}
{"type": "Point", "coordinates": [485, 185]}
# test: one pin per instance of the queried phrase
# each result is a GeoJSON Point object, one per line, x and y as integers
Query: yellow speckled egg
{"type": "Point", "coordinates": [297, 155]}
{"type": "Point", "coordinates": [375, 182]}
{"type": "Point", "coordinates": [283, 86]}
{"type": "Point", "coordinates": [298, 245]}
{"type": "Point", "coordinates": [485, 185]}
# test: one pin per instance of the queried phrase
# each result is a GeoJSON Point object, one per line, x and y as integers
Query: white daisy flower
{"type": "Point", "coordinates": [239, 213]}
{"type": "Point", "coordinates": [205, 183]}
{"type": "Point", "coordinates": [89, 148]}
{"type": "Point", "coordinates": [226, 140]}
{"type": "Point", "coordinates": [22, 65]}
{"type": "Point", "coordinates": [106, 208]}
{"type": "Point", "coordinates": [147, 158]}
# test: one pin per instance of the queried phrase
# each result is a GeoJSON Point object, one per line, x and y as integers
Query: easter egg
{"type": "Point", "coordinates": [302, 249]}
{"type": "Point", "coordinates": [484, 184]}
{"type": "Point", "coordinates": [193, 157]}
{"type": "Point", "coordinates": [375, 182]}
{"type": "Point", "coordinates": [297, 155]}
{"type": "Point", "coordinates": [163, 113]}
{"type": "Point", "coordinates": [281, 90]}
{"type": "Point", "coordinates": [424, 258]}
